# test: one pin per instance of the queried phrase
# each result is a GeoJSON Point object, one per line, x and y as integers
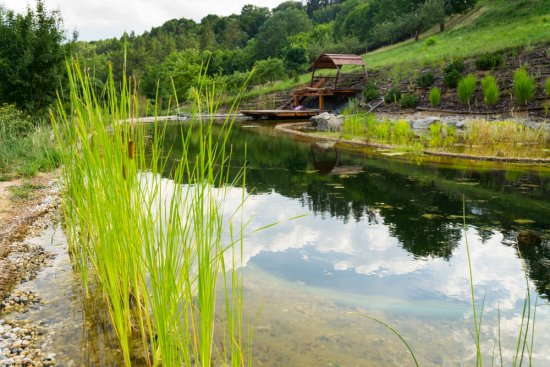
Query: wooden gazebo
{"type": "Point", "coordinates": [331, 85]}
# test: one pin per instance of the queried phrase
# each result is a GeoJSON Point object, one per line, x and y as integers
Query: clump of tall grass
{"type": "Point", "coordinates": [466, 88]}
{"type": "Point", "coordinates": [153, 245]}
{"type": "Point", "coordinates": [401, 132]}
{"type": "Point", "coordinates": [483, 132]}
{"type": "Point", "coordinates": [435, 96]}
{"type": "Point", "coordinates": [26, 147]}
{"type": "Point", "coordinates": [491, 93]}
{"type": "Point", "coordinates": [524, 86]}
{"type": "Point", "coordinates": [547, 87]}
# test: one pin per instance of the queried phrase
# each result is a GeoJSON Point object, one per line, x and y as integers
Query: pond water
{"type": "Point", "coordinates": [382, 237]}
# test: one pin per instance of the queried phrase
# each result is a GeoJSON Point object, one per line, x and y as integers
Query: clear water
{"type": "Point", "coordinates": [381, 237]}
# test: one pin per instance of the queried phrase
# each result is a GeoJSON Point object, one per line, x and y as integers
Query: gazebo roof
{"type": "Point", "coordinates": [334, 61]}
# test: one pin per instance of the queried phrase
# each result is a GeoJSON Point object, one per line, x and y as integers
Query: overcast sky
{"type": "Point", "coordinates": [96, 19]}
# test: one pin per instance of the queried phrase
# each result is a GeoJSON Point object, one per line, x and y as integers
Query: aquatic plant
{"type": "Point", "coordinates": [435, 134]}
{"type": "Point", "coordinates": [401, 132]}
{"type": "Point", "coordinates": [524, 86]}
{"type": "Point", "coordinates": [483, 132]}
{"type": "Point", "coordinates": [490, 90]}
{"type": "Point", "coordinates": [466, 88]}
{"type": "Point", "coordinates": [154, 246]}
{"type": "Point", "coordinates": [435, 96]}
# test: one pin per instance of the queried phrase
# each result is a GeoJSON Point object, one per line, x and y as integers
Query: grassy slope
{"type": "Point", "coordinates": [493, 25]}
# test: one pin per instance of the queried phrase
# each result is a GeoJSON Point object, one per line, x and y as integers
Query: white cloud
{"type": "Point", "coordinates": [96, 19]}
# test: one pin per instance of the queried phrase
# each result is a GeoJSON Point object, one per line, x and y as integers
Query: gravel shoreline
{"type": "Point", "coordinates": [23, 343]}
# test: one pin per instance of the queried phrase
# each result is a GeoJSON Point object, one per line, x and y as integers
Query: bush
{"type": "Point", "coordinates": [489, 61]}
{"type": "Point", "coordinates": [425, 80]}
{"type": "Point", "coordinates": [24, 148]}
{"type": "Point", "coordinates": [524, 86]}
{"type": "Point", "coordinates": [393, 95]}
{"type": "Point", "coordinates": [457, 65]}
{"type": "Point", "coordinates": [547, 87]}
{"type": "Point", "coordinates": [435, 96]}
{"type": "Point", "coordinates": [490, 90]}
{"type": "Point", "coordinates": [452, 78]}
{"type": "Point", "coordinates": [466, 88]}
{"type": "Point", "coordinates": [430, 42]}
{"type": "Point", "coordinates": [371, 92]}
{"type": "Point", "coordinates": [409, 101]}
{"type": "Point", "coordinates": [269, 70]}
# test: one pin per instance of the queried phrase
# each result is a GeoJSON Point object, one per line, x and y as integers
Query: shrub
{"type": "Point", "coordinates": [452, 78]}
{"type": "Point", "coordinates": [490, 90]}
{"type": "Point", "coordinates": [466, 88]}
{"type": "Point", "coordinates": [457, 65]}
{"type": "Point", "coordinates": [409, 101]}
{"type": "Point", "coordinates": [393, 95]}
{"type": "Point", "coordinates": [489, 61]}
{"type": "Point", "coordinates": [524, 86]}
{"type": "Point", "coordinates": [547, 87]}
{"type": "Point", "coordinates": [435, 96]}
{"type": "Point", "coordinates": [425, 80]}
{"type": "Point", "coordinates": [430, 42]}
{"type": "Point", "coordinates": [371, 92]}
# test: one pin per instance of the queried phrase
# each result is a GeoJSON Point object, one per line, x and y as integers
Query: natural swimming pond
{"type": "Point", "coordinates": [380, 236]}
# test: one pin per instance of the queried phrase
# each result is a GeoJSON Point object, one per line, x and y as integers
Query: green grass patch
{"type": "Point", "coordinates": [524, 86]}
{"type": "Point", "coordinates": [23, 191]}
{"type": "Point", "coordinates": [435, 96]}
{"type": "Point", "coordinates": [491, 92]}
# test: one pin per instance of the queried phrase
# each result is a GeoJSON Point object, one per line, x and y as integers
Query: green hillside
{"type": "Point", "coordinates": [492, 26]}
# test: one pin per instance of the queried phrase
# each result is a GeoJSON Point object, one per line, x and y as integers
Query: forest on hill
{"type": "Point", "coordinates": [278, 43]}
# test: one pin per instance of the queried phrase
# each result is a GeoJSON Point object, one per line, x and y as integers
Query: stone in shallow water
{"type": "Point", "coordinates": [328, 122]}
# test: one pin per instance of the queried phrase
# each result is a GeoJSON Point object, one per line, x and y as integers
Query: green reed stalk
{"type": "Point", "coordinates": [477, 326]}
{"type": "Point", "coordinates": [153, 245]}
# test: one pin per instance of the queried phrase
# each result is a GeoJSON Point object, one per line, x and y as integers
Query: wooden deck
{"type": "Point", "coordinates": [280, 114]}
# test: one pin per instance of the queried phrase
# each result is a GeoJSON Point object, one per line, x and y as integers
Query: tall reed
{"type": "Point", "coordinates": [154, 246]}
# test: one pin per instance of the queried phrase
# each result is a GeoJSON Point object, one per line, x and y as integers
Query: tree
{"type": "Point", "coordinates": [296, 59]}
{"type": "Point", "coordinates": [208, 37]}
{"type": "Point", "coordinates": [268, 71]}
{"type": "Point", "coordinates": [273, 36]}
{"type": "Point", "coordinates": [31, 57]}
{"type": "Point", "coordinates": [252, 18]}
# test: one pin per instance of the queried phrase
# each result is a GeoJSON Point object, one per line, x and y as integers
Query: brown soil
{"type": "Point", "coordinates": [17, 217]}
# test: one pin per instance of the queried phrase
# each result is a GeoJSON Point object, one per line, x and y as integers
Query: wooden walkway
{"type": "Point", "coordinates": [280, 114]}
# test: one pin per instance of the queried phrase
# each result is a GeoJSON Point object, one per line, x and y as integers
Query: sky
{"type": "Point", "coordinates": [99, 19]}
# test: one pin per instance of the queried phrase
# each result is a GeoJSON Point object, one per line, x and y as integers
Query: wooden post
{"type": "Point", "coordinates": [321, 102]}
{"type": "Point", "coordinates": [337, 76]}
{"type": "Point", "coordinates": [312, 76]}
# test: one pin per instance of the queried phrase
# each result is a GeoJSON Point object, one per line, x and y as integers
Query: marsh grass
{"type": "Point", "coordinates": [483, 132]}
{"type": "Point", "coordinates": [154, 246]}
